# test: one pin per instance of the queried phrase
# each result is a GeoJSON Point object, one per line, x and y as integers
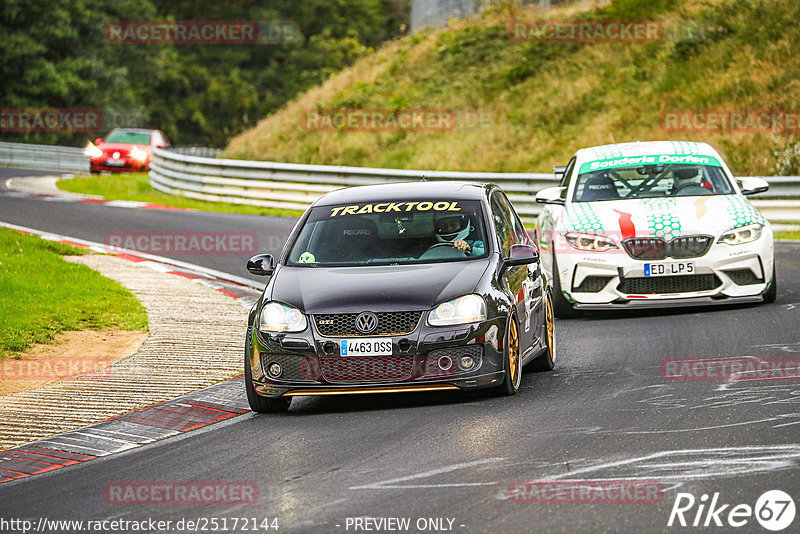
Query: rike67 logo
{"type": "Point", "coordinates": [774, 510]}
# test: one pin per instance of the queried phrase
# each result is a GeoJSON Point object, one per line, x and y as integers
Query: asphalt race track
{"type": "Point", "coordinates": [96, 222]}
{"type": "Point", "coordinates": [605, 412]}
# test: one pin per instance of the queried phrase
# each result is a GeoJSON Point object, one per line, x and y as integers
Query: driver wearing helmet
{"type": "Point", "coordinates": [686, 177]}
{"type": "Point", "coordinates": [454, 228]}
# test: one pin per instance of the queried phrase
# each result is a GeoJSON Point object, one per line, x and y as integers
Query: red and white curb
{"type": "Point", "coordinates": [192, 411]}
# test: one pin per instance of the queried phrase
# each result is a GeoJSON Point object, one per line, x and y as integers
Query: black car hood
{"type": "Point", "coordinates": [375, 288]}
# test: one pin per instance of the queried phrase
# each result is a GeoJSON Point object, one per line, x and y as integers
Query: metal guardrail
{"type": "Point", "coordinates": [195, 172]}
{"type": "Point", "coordinates": [293, 186]}
{"type": "Point", "coordinates": [201, 151]}
{"type": "Point", "coordinates": [44, 157]}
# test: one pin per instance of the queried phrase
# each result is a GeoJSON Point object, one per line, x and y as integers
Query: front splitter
{"type": "Point", "coordinates": [669, 303]}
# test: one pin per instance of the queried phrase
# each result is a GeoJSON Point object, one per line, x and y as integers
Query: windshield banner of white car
{"type": "Point", "coordinates": [662, 159]}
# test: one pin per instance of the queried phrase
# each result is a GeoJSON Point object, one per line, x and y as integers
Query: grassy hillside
{"type": "Point", "coordinates": [539, 102]}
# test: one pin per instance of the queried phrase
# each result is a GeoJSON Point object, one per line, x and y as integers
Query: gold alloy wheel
{"type": "Point", "coordinates": [551, 330]}
{"type": "Point", "coordinates": [513, 354]}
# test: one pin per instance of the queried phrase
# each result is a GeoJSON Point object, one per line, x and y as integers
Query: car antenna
{"type": "Point", "coordinates": [424, 178]}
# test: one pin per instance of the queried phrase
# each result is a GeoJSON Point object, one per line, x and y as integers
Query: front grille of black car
{"type": "Point", "coordinates": [592, 284]}
{"type": "Point", "coordinates": [295, 368]}
{"type": "Point", "coordinates": [655, 248]}
{"type": "Point", "coordinates": [669, 284]}
{"type": "Point", "coordinates": [366, 368]}
{"type": "Point", "coordinates": [389, 324]}
{"type": "Point", "coordinates": [744, 277]}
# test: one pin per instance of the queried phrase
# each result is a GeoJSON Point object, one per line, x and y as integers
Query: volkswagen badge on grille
{"type": "Point", "coordinates": [367, 322]}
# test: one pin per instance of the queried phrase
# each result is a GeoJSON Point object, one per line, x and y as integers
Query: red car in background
{"type": "Point", "coordinates": [125, 150]}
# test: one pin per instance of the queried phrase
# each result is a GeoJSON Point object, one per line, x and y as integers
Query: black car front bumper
{"type": "Point", "coordinates": [425, 359]}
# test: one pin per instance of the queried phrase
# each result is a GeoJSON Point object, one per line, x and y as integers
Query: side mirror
{"type": "Point", "coordinates": [261, 265]}
{"type": "Point", "coordinates": [752, 186]}
{"type": "Point", "coordinates": [551, 195]}
{"type": "Point", "coordinates": [98, 140]}
{"type": "Point", "coordinates": [522, 255]}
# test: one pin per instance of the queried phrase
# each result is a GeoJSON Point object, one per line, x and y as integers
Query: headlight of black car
{"type": "Point", "coordinates": [276, 317]}
{"type": "Point", "coordinates": [463, 310]}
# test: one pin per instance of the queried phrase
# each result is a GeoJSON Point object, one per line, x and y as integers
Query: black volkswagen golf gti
{"type": "Point", "coordinates": [410, 287]}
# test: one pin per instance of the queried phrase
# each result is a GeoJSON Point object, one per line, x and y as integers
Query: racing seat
{"type": "Point", "coordinates": [599, 187]}
{"type": "Point", "coordinates": [349, 239]}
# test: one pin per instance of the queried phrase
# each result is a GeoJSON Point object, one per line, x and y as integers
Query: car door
{"type": "Point", "coordinates": [515, 279]}
{"type": "Point", "coordinates": [533, 286]}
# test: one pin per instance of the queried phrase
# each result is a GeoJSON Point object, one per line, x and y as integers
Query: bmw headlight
{"type": "Point", "coordinates": [92, 151]}
{"type": "Point", "coordinates": [739, 236]}
{"type": "Point", "coordinates": [592, 243]}
{"type": "Point", "coordinates": [277, 317]}
{"type": "Point", "coordinates": [138, 154]}
{"type": "Point", "coordinates": [463, 310]}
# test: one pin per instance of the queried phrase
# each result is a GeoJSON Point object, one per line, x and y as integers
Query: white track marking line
{"type": "Point", "coordinates": [393, 483]}
{"type": "Point", "coordinates": [629, 461]}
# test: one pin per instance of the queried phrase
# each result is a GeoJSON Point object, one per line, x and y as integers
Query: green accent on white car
{"type": "Point", "coordinates": [666, 203]}
{"type": "Point", "coordinates": [662, 222]}
{"type": "Point", "coordinates": [665, 225]}
{"type": "Point", "coordinates": [582, 218]}
{"type": "Point", "coordinates": [742, 213]}
{"type": "Point", "coordinates": [637, 161]}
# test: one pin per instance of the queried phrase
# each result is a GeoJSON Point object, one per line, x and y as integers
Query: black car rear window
{"type": "Point", "coordinates": [390, 232]}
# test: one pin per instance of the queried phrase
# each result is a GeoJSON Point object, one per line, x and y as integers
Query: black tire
{"type": "Point", "coordinates": [772, 291]}
{"type": "Point", "coordinates": [512, 366]}
{"type": "Point", "coordinates": [258, 403]}
{"type": "Point", "coordinates": [547, 360]}
{"type": "Point", "coordinates": [562, 308]}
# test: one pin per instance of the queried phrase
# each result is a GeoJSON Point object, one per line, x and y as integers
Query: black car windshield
{"type": "Point", "coordinates": [651, 181]}
{"type": "Point", "coordinates": [391, 232]}
{"type": "Point", "coordinates": [134, 138]}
